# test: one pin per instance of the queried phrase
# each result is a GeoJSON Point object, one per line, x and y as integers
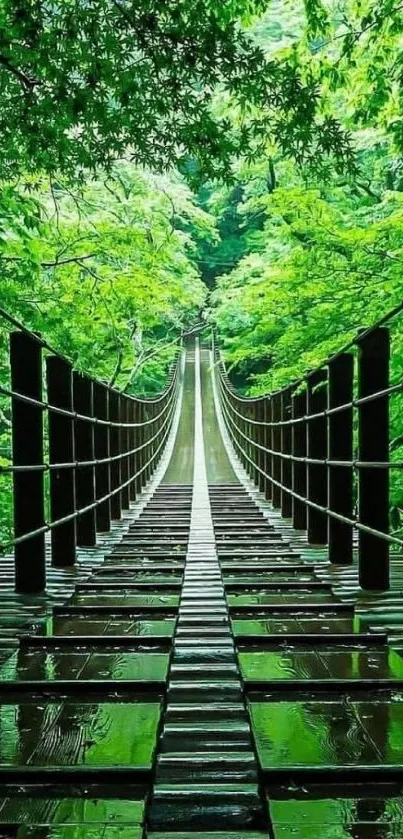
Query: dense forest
{"type": "Point", "coordinates": [247, 161]}
{"type": "Point", "coordinates": [160, 160]}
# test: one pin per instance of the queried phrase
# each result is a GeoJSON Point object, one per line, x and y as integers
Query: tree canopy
{"type": "Point", "coordinates": [83, 82]}
{"type": "Point", "coordinates": [159, 157]}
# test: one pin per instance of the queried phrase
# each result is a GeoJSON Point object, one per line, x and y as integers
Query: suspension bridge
{"type": "Point", "coordinates": [201, 604]}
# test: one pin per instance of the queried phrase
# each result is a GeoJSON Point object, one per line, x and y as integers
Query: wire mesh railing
{"type": "Point", "coordinates": [319, 450]}
{"type": "Point", "coordinates": [80, 453]}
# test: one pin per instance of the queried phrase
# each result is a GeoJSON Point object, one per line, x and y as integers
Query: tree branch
{"type": "Point", "coordinates": [67, 261]}
{"type": "Point", "coordinates": [118, 368]}
{"type": "Point", "coordinates": [28, 83]}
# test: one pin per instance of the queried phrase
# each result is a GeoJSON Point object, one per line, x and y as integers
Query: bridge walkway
{"type": "Point", "coordinates": [205, 679]}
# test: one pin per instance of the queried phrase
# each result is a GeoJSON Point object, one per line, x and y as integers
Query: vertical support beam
{"type": "Point", "coordinates": [254, 410]}
{"type": "Point", "coordinates": [286, 471]}
{"type": "Point", "coordinates": [340, 447]}
{"type": "Point", "coordinates": [244, 430]}
{"type": "Point", "coordinates": [149, 431]}
{"type": "Point", "coordinates": [239, 427]}
{"type": "Point", "coordinates": [144, 438]}
{"type": "Point", "coordinates": [373, 433]}
{"type": "Point", "coordinates": [125, 439]}
{"type": "Point", "coordinates": [227, 409]}
{"type": "Point", "coordinates": [132, 445]}
{"type": "Point", "coordinates": [116, 468]}
{"type": "Point", "coordinates": [276, 444]}
{"type": "Point", "coordinates": [267, 460]}
{"type": "Point", "coordinates": [139, 440]}
{"type": "Point", "coordinates": [245, 409]}
{"type": "Point", "coordinates": [260, 439]}
{"type": "Point", "coordinates": [27, 436]}
{"type": "Point", "coordinates": [299, 468]}
{"type": "Point", "coordinates": [61, 450]}
{"type": "Point", "coordinates": [317, 448]}
{"type": "Point", "coordinates": [85, 450]}
{"type": "Point", "coordinates": [102, 452]}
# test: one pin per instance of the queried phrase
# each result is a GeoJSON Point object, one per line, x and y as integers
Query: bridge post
{"type": "Point", "coordinates": [239, 423]}
{"type": "Point", "coordinates": [267, 460]}
{"type": "Point", "coordinates": [247, 444]}
{"type": "Point", "coordinates": [260, 455]}
{"type": "Point", "coordinates": [276, 445]}
{"type": "Point", "coordinates": [373, 483]}
{"type": "Point", "coordinates": [132, 445]}
{"type": "Point", "coordinates": [61, 450]}
{"type": "Point", "coordinates": [143, 440]}
{"type": "Point", "coordinates": [340, 447]}
{"type": "Point", "coordinates": [27, 448]}
{"type": "Point", "coordinates": [299, 469]}
{"type": "Point", "coordinates": [139, 440]}
{"type": "Point", "coordinates": [317, 449]}
{"type": "Point", "coordinates": [83, 399]}
{"type": "Point", "coordinates": [102, 451]}
{"type": "Point", "coordinates": [286, 500]}
{"type": "Point", "coordinates": [149, 431]}
{"type": "Point", "coordinates": [125, 446]}
{"type": "Point", "coordinates": [116, 465]}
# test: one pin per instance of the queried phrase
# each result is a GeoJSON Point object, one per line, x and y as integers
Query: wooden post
{"type": "Point", "coordinates": [84, 444]}
{"type": "Point", "coordinates": [125, 443]}
{"type": "Point", "coordinates": [286, 470]}
{"type": "Point", "coordinates": [27, 447]}
{"type": "Point", "coordinates": [61, 450]}
{"type": "Point", "coordinates": [299, 468]}
{"type": "Point", "coordinates": [102, 451]}
{"type": "Point", "coordinates": [132, 458]}
{"type": "Point", "coordinates": [340, 442]}
{"type": "Point", "coordinates": [276, 443]}
{"type": "Point", "coordinates": [116, 465]}
{"type": "Point", "coordinates": [373, 433]}
{"type": "Point", "coordinates": [267, 461]}
{"type": "Point", "coordinates": [317, 449]}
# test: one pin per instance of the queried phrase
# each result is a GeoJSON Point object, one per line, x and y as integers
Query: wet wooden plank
{"type": "Point", "coordinates": [71, 733]}
{"type": "Point", "coordinates": [339, 813]}
{"type": "Point", "coordinates": [37, 665]}
{"type": "Point", "coordinates": [330, 732]}
{"type": "Point", "coordinates": [110, 626]}
{"type": "Point", "coordinates": [67, 810]}
{"type": "Point", "coordinates": [322, 664]}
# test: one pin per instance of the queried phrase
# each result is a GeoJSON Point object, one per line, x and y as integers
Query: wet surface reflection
{"type": "Point", "coordinates": [83, 664]}
{"type": "Point", "coordinates": [259, 579]}
{"type": "Point", "coordinates": [337, 813]}
{"type": "Point", "coordinates": [295, 626]}
{"type": "Point", "coordinates": [124, 599]}
{"type": "Point", "coordinates": [345, 662]}
{"type": "Point", "coordinates": [109, 626]}
{"type": "Point", "coordinates": [280, 597]}
{"type": "Point", "coordinates": [345, 731]}
{"type": "Point", "coordinates": [83, 811]}
{"type": "Point", "coordinates": [71, 733]}
{"type": "Point", "coordinates": [85, 831]}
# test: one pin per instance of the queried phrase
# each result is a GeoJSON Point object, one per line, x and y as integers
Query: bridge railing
{"type": "Point", "coordinates": [81, 451]}
{"type": "Point", "coordinates": [319, 451]}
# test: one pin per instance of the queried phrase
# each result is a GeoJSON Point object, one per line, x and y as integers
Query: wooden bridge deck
{"type": "Point", "coordinates": [203, 672]}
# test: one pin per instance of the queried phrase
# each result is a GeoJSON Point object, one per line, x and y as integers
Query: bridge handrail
{"type": "Point", "coordinates": [94, 446]}
{"type": "Point", "coordinates": [318, 449]}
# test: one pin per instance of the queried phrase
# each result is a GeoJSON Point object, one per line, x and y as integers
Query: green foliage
{"type": "Point", "coordinates": [326, 257]}
{"type": "Point", "coordinates": [83, 83]}
{"type": "Point", "coordinates": [106, 273]}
